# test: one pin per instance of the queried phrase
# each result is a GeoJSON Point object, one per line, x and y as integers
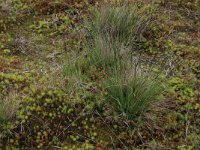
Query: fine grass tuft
{"type": "Point", "coordinates": [114, 32]}
{"type": "Point", "coordinates": [131, 95]}
{"type": "Point", "coordinates": [113, 35]}
{"type": "Point", "coordinates": [3, 115]}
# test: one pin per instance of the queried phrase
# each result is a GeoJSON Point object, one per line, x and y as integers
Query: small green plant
{"type": "Point", "coordinates": [131, 94]}
{"type": "Point", "coordinates": [3, 116]}
{"type": "Point", "coordinates": [114, 32]}
{"type": "Point", "coordinates": [11, 87]}
{"type": "Point", "coordinates": [6, 117]}
{"type": "Point", "coordinates": [118, 23]}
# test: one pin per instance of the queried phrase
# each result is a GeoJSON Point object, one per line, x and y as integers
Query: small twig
{"type": "Point", "coordinates": [113, 142]}
{"type": "Point", "coordinates": [82, 136]}
{"type": "Point", "coordinates": [111, 130]}
{"type": "Point", "coordinates": [69, 125]}
{"type": "Point", "coordinates": [186, 130]}
{"type": "Point", "coordinates": [140, 136]}
{"type": "Point", "coordinates": [57, 147]}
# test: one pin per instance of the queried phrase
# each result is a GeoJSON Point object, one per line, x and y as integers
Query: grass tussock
{"type": "Point", "coordinates": [114, 32]}
{"type": "Point", "coordinates": [132, 94]}
{"type": "Point", "coordinates": [113, 36]}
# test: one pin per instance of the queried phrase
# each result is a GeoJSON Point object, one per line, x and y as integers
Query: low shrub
{"type": "Point", "coordinates": [11, 87]}
{"type": "Point", "coordinates": [46, 118]}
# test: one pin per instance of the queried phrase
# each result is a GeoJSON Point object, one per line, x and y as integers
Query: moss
{"type": "Point", "coordinates": [40, 108]}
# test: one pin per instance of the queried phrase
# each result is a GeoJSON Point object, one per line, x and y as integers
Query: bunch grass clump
{"type": "Point", "coordinates": [113, 36]}
{"type": "Point", "coordinates": [131, 94]}
{"type": "Point", "coordinates": [114, 32]}
{"type": "Point", "coordinates": [118, 23]}
{"type": "Point", "coordinates": [111, 42]}
{"type": "Point", "coordinates": [3, 114]}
